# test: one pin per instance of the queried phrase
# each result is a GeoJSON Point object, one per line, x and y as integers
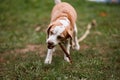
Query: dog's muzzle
{"type": "Point", "coordinates": [50, 45]}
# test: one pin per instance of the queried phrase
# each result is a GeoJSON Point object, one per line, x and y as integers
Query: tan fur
{"type": "Point", "coordinates": [64, 9]}
{"type": "Point", "coordinates": [60, 11]}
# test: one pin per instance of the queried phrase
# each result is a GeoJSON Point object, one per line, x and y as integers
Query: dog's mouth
{"type": "Point", "coordinates": [50, 46]}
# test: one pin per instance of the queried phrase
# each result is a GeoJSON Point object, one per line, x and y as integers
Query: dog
{"type": "Point", "coordinates": [62, 29]}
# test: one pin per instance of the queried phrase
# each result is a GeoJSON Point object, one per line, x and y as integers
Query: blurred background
{"type": "Point", "coordinates": [110, 1]}
{"type": "Point", "coordinates": [23, 25]}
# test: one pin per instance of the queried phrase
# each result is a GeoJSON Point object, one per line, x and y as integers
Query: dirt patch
{"type": "Point", "coordinates": [84, 47]}
{"type": "Point", "coordinates": [40, 49]}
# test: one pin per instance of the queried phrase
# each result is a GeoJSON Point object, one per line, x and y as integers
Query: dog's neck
{"type": "Point", "coordinates": [64, 21]}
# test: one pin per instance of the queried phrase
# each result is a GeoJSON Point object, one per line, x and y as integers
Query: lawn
{"type": "Point", "coordinates": [23, 48]}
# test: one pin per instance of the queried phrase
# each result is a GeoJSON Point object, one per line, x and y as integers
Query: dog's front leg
{"type": "Point", "coordinates": [68, 50]}
{"type": "Point", "coordinates": [48, 59]}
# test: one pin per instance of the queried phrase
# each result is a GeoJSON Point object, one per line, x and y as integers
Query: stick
{"type": "Point", "coordinates": [93, 23]}
{"type": "Point", "coordinates": [66, 53]}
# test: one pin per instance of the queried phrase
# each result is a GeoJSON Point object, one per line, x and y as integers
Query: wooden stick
{"type": "Point", "coordinates": [93, 23]}
{"type": "Point", "coordinates": [66, 53]}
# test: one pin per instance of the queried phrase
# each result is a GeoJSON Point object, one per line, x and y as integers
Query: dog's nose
{"type": "Point", "coordinates": [50, 43]}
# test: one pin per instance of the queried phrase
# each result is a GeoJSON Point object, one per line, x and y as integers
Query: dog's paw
{"type": "Point", "coordinates": [47, 61]}
{"type": "Point", "coordinates": [66, 59]}
{"type": "Point", "coordinates": [76, 47]}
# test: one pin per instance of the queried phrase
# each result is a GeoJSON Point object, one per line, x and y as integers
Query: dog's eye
{"type": "Point", "coordinates": [51, 33]}
{"type": "Point", "coordinates": [59, 37]}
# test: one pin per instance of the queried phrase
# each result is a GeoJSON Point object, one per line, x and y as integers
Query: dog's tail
{"type": "Point", "coordinates": [57, 1]}
{"type": "Point", "coordinates": [93, 23]}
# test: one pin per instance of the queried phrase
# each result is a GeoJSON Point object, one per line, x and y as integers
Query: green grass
{"type": "Point", "coordinates": [98, 59]}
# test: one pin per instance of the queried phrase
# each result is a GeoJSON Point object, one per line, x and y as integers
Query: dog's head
{"type": "Point", "coordinates": [58, 32]}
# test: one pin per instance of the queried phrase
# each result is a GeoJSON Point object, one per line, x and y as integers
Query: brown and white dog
{"type": "Point", "coordinates": [62, 28]}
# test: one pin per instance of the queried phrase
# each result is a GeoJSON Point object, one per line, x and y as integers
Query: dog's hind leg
{"type": "Point", "coordinates": [75, 39]}
{"type": "Point", "coordinates": [48, 59]}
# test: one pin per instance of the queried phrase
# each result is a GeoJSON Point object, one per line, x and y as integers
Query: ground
{"type": "Point", "coordinates": [23, 25]}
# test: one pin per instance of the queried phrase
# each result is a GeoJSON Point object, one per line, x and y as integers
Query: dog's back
{"type": "Point", "coordinates": [63, 9]}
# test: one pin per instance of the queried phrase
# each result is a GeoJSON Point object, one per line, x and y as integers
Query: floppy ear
{"type": "Point", "coordinates": [70, 33]}
{"type": "Point", "coordinates": [48, 29]}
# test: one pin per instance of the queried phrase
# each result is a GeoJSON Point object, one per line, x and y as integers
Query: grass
{"type": "Point", "coordinates": [98, 59]}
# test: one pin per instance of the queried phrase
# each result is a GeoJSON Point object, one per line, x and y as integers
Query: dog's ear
{"type": "Point", "coordinates": [70, 33]}
{"type": "Point", "coordinates": [48, 29]}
